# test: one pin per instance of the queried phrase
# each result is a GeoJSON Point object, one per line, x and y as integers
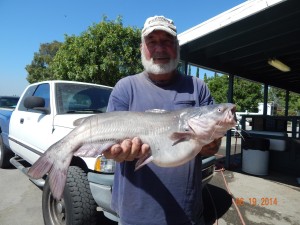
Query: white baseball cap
{"type": "Point", "coordinates": [159, 23]}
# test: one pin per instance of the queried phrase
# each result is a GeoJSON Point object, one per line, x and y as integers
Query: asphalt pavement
{"type": "Point", "coordinates": [20, 200]}
{"type": "Point", "coordinates": [235, 197]}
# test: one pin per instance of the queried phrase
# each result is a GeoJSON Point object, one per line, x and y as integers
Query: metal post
{"type": "Point", "coordinates": [266, 93]}
{"type": "Point", "coordinates": [228, 135]}
{"type": "Point", "coordinates": [265, 111]}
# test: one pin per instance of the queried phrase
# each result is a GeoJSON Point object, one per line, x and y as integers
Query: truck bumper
{"type": "Point", "coordinates": [101, 188]}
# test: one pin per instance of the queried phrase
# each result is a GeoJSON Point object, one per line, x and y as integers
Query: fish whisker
{"type": "Point", "coordinates": [219, 124]}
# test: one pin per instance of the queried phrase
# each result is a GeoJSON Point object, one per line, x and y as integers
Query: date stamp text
{"type": "Point", "coordinates": [263, 201]}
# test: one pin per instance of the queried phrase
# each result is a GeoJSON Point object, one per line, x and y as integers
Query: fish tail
{"type": "Point", "coordinates": [57, 181]}
{"type": "Point", "coordinates": [40, 167]}
{"type": "Point", "coordinates": [58, 173]}
{"type": "Point", "coordinates": [56, 168]}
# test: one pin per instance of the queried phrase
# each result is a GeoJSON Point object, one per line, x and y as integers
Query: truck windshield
{"type": "Point", "coordinates": [81, 98]}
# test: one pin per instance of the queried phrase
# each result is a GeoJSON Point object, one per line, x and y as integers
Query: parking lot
{"type": "Point", "coordinates": [21, 201]}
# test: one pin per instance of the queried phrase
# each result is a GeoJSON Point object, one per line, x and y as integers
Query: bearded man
{"type": "Point", "coordinates": [154, 195]}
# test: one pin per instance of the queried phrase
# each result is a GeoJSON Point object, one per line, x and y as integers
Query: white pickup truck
{"type": "Point", "coordinates": [44, 114]}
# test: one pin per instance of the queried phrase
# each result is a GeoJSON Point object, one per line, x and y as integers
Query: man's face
{"type": "Point", "coordinates": [160, 52]}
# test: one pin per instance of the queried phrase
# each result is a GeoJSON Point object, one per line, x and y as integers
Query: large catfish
{"type": "Point", "coordinates": [174, 138]}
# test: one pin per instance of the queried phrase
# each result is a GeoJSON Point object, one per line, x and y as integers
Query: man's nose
{"type": "Point", "coordinates": [159, 46]}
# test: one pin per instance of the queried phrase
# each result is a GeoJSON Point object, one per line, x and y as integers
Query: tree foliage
{"type": "Point", "coordinates": [103, 54]}
{"type": "Point", "coordinates": [294, 104]}
{"type": "Point", "coordinates": [246, 94]}
{"type": "Point", "coordinates": [278, 96]}
{"type": "Point", "coordinates": [39, 69]}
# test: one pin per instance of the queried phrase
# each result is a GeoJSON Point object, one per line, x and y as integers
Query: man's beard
{"type": "Point", "coordinates": [151, 67]}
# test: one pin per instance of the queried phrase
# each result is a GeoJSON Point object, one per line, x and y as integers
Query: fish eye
{"type": "Point", "coordinates": [219, 109]}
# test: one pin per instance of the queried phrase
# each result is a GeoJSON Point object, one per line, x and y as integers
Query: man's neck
{"type": "Point", "coordinates": [162, 79]}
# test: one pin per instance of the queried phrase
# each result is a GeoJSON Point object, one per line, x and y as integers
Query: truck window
{"type": "Point", "coordinates": [42, 90]}
{"type": "Point", "coordinates": [81, 98]}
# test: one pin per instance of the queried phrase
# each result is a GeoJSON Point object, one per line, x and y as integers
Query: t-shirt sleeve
{"type": "Point", "coordinates": [119, 98]}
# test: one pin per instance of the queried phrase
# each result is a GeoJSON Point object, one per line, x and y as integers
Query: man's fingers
{"type": "Point", "coordinates": [125, 151]}
{"type": "Point", "coordinates": [112, 152]}
{"type": "Point", "coordinates": [135, 149]}
{"type": "Point", "coordinates": [128, 150]}
{"type": "Point", "coordinates": [145, 149]}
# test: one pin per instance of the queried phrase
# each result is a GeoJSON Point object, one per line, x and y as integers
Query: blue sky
{"type": "Point", "coordinates": [25, 25]}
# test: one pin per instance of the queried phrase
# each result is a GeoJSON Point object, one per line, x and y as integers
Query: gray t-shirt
{"type": "Point", "coordinates": [154, 195]}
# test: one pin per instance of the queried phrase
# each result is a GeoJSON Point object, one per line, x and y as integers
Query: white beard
{"type": "Point", "coordinates": [151, 67]}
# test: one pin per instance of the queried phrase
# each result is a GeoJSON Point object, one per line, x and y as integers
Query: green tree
{"type": "Point", "coordinates": [39, 69]}
{"type": "Point", "coordinates": [294, 104]}
{"type": "Point", "coordinates": [246, 94]}
{"type": "Point", "coordinates": [205, 78]}
{"type": "Point", "coordinates": [103, 54]}
{"type": "Point", "coordinates": [278, 96]}
{"type": "Point", "coordinates": [218, 86]}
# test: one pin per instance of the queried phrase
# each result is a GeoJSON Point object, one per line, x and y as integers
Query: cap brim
{"type": "Point", "coordinates": [163, 28]}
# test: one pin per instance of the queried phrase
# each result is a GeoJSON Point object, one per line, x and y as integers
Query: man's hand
{"type": "Point", "coordinates": [128, 150]}
{"type": "Point", "coordinates": [211, 148]}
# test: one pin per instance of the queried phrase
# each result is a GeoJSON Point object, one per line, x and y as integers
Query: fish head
{"type": "Point", "coordinates": [212, 122]}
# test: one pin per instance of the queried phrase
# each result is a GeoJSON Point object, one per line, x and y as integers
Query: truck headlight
{"type": "Point", "coordinates": [105, 165]}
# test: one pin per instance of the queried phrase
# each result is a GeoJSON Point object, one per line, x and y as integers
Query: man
{"type": "Point", "coordinates": [154, 195]}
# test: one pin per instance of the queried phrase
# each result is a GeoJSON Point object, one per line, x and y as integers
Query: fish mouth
{"type": "Point", "coordinates": [230, 116]}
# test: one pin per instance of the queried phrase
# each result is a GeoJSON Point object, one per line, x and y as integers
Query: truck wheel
{"type": "Point", "coordinates": [5, 155]}
{"type": "Point", "coordinates": [77, 207]}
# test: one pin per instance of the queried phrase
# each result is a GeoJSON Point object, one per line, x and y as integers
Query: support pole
{"type": "Point", "coordinates": [266, 93]}
{"type": "Point", "coordinates": [228, 134]}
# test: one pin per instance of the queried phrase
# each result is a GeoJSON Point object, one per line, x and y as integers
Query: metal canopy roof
{"type": "Point", "coordinates": [240, 42]}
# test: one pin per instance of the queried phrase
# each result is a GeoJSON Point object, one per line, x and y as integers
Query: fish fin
{"type": "Point", "coordinates": [57, 182]}
{"type": "Point", "coordinates": [156, 111]}
{"type": "Point", "coordinates": [181, 136]}
{"type": "Point", "coordinates": [143, 161]}
{"type": "Point", "coordinates": [42, 166]}
{"type": "Point", "coordinates": [56, 169]}
{"type": "Point", "coordinates": [86, 150]}
{"type": "Point", "coordinates": [93, 150]}
{"type": "Point", "coordinates": [80, 121]}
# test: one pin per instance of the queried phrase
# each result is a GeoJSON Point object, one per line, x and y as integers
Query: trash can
{"type": "Point", "coordinates": [256, 156]}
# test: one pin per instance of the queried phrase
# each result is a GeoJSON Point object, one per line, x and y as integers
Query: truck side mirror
{"type": "Point", "coordinates": [36, 103]}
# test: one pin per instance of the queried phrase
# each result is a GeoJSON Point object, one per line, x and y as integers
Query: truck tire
{"type": "Point", "coordinates": [5, 154]}
{"type": "Point", "coordinates": [77, 207]}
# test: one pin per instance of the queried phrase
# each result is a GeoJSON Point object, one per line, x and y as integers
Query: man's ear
{"type": "Point", "coordinates": [141, 46]}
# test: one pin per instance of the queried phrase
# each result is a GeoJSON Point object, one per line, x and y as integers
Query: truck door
{"type": "Point", "coordinates": [30, 130]}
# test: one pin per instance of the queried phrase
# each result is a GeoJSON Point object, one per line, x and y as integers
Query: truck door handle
{"type": "Point", "coordinates": [22, 120]}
